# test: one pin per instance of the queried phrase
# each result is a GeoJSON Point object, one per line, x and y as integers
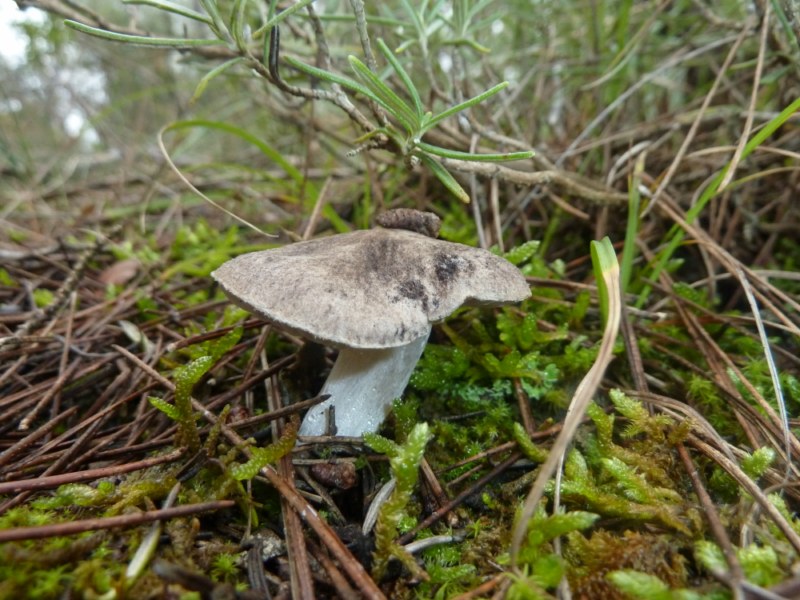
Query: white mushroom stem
{"type": "Point", "coordinates": [362, 386]}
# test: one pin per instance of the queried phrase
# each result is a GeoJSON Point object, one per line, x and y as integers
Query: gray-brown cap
{"type": "Point", "coordinates": [377, 288]}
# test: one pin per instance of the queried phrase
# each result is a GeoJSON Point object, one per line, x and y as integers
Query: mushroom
{"type": "Point", "coordinates": [373, 294]}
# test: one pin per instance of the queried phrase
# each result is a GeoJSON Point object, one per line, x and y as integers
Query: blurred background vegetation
{"type": "Point", "coordinates": [593, 85]}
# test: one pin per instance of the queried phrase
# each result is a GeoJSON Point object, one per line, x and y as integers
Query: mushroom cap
{"type": "Point", "coordinates": [377, 288]}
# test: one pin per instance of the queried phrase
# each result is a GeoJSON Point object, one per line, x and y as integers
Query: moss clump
{"type": "Point", "coordinates": [592, 558]}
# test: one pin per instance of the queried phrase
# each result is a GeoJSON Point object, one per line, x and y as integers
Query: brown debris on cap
{"type": "Point", "coordinates": [378, 288]}
{"type": "Point", "coordinates": [426, 223]}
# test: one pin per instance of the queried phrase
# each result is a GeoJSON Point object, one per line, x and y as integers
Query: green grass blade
{"type": "Point", "coordinates": [140, 40]}
{"type": "Point", "coordinates": [676, 234]}
{"type": "Point", "coordinates": [268, 151]}
{"type": "Point", "coordinates": [632, 229]}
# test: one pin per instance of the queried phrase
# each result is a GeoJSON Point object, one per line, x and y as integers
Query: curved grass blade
{"type": "Point", "coordinates": [268, 151]}
{"type": "Point", "coordinates": [203, 84]}
{"type": "Point", "coordinates": [140, 40]}
{"type": "Point", "coordinates": [604, 261]}
{"type": "Point", "coordinates": [676, 234]}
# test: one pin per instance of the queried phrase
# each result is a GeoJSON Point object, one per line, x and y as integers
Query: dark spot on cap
{"type": "Point", "coordinates": [414, 290]}
{"type": "Point", "coordinates": [446, 267]}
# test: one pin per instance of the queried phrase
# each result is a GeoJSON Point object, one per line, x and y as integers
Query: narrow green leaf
{"type": "Point", "coordinates": [218, 24]}
{"type": "Point", "coordinates": [444, 152]}
{"type": "Point", "coordinates": [405, 46]}
{"type": "Point", "coordinates": [466, 104]}
{"type": "Point", "coordinates": [140, 40]}
{"type": "Point", "coordinates": [404, 77]}
{"type": "Point", "coordinates": [445, 177]}
{"type": "Point", "coordinates": [415, 16]}
{"type": "Point", "coordinates": [173, 8]}
{"type": "Point", "coordinates": [338, 223]}
{"type": "Point", "coordinates": [605, 266]}
{"type": "Point", "coordinates": [632, 229]}
{"type": "Point", "coordinates": [480, 48]}
{"type": "Point", "coordinates": [238, 23]}
{"type": "Point", "coordinates": [387, 98]}
{"type": "Point", "coordinates": [323, 75]}
{"type": "Point", "coordinates": [203, 84]}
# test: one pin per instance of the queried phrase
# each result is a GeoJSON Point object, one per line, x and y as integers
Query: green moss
{"type": "Point", "coordinates": [595, 558]}
{"type": "Point", "coordinates": [542, 569]}
{"type": "Point", "coordinates": [760, 564]}
{"type": "Point", "coordinates": [262, 456]}
{"type": "Point", "coordinates": [6, 279]}
{"type": "Point", "coordinates": [224, 568]}
{"type": "Point", "coordinates": [404, 460]}
{"type": "Point", "coordinates": [43, 297]}
{"type": "Point", "coordinates": [641, 586]}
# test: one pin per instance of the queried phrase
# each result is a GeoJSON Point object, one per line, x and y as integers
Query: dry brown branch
{"type": "Point", "coordinates": [568, 183]}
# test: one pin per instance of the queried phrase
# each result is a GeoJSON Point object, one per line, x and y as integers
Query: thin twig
{"type": "Point", "coordinates": [560, 179]}
{"type": "Point", "coordinates": [306, 512]}
{"type": "Point", "coordinates": [132, 520]}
